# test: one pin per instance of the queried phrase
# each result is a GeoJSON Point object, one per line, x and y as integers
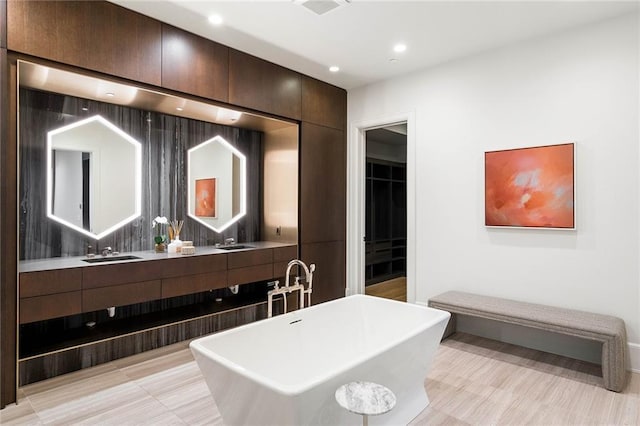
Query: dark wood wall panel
{"type": "Point", "coordinates": [323, 104]}
{"type": "Point", "coordinates": [90, 34]}
{"type": "Point", "coordinates": [257, 84]}
{"type": "Point", "coordinates": [195, 65]}
{"type": "Point", "coordinates": [323, 184]}
{"type": "Point", "coordinates": [329, 279]}
{"type": "Point", "coordinates": [3, 24]}
{"type": "Point", "coordinates": [8, 226]}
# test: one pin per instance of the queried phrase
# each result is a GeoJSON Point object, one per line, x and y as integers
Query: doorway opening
{"type": "Point", "coordinates": [385, 265]}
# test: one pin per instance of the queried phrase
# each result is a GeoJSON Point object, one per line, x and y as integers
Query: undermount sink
{"type": "Point", "coordinates": [235, 247]}
{"type": "Point", "coordinates": [110, 258]}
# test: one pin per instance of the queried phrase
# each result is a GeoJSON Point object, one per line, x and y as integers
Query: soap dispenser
{"type": "Point", "coordinates": [175, 246]}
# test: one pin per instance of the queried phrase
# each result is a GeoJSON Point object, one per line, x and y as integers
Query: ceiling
{"type": "Point", "coordinates": [359, 35]}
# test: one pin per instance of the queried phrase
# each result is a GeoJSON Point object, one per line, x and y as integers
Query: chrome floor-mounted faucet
{"type": "Point", "coordinates": [297, 286]}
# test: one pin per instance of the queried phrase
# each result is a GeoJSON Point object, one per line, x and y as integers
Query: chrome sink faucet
{"type": "Point", "coordinates": [229, 241]}
{"type": "Point", "coordinates": [107, 251]}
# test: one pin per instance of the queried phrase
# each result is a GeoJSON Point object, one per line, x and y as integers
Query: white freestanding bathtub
{"type": "Point", "coordinates": [285, 370]}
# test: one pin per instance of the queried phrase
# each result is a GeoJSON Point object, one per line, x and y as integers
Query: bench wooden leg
{"type": "Point", "coordinates": [451, 327]}
{"type": "Point", "coordinates": [614, 372]}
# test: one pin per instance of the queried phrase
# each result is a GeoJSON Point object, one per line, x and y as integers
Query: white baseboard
{"type": "Point", "coordinates": [421, 303]}
{"type": "Point", "coordinates": [634, 357]}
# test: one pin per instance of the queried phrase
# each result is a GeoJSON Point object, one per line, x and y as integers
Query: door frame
{"type": "Point", "coordinates": [356, 204]}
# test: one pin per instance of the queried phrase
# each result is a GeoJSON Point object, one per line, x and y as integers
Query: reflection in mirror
{"type": "Point", "coordinates": [94, 177]}
{"type": "Point", "coordinates": [217, 184]}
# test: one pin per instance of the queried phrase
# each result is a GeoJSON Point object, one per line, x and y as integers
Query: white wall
{"type": "Point", "coordinates": [577, 86]}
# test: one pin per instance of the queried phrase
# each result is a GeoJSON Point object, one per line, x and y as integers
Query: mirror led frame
{"type": "Point", "coordinates": [243, 184]}
{"type": "Point", "coordinates": [137, 176]}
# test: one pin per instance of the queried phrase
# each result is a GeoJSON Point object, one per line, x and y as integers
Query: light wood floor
{"type": "Point", "coordinates": [395, 289]}
{"type": "Point", "coordinates": [472, 381]}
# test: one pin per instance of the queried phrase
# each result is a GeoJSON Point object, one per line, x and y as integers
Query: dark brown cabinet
{"type": "Point", "coordinates": [323, 206]}
{"type": "Point", "coordinates": [50, 306]}
{"type": "Point", "coordinates": [194, 65]}
{"type": "Point", "coordinates": [61, 292]}
{"type": "Point", "coordinates": [180, 286]}
{"type": "Point", "coordinates": [103, 37]}
{"type": "Point", "coordinates": [323, 104]}
{"type": "Point", "coordinates": [323, 184]}
{"type": "Point", "coordinates": [3, 24]}
{"type": "Point", "coordinates": [329, 279]}
{"type": "Point", "coordinates": [95, 35]}
{"type": "Point", "coordinates": [119, 295]}
{"type": "Point", "coordinates": [50, 282]}
{"type": "Point", "coordinates": [257, 84]}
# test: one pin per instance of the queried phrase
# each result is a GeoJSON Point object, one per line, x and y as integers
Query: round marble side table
{"type": "Point", "coordinates": [365, 398]}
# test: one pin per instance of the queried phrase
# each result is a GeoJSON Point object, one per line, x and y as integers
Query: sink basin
{"type": "Point", "coordinates": [235, 247]}
{"type": "Point", "coordinates": [109, 258]}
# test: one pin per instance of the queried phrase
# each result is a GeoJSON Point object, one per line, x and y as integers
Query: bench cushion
{"type": "Point", "coordinates": [607, 329]}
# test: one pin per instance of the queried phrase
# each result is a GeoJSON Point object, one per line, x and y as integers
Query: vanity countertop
{"type": "Point", "coordinates": [78, 261]}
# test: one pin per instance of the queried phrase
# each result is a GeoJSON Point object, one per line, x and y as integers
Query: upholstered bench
{"type": "Point", "coordinates": [602, 328]}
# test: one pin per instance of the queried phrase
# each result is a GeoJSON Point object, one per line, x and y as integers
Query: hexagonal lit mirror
{"type": "Point", "coordinates": [93, 177]}
{"type": "Point", "coordinates": [217, 176]}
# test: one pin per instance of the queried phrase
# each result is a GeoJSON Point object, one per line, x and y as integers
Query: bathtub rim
{"type": "Point", "coordinates": [293, 390]}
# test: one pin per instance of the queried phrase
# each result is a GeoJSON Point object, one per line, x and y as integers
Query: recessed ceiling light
{"type": "Point", "coordinates": [179, 108]}
{"type": "Point", "coordinates": [334, 69]}
{"type": "Point", "coordinates": [110, 94]}
{"type": "Point", "coordinates": [215, 19]}
{"type": "Point", "coordinates": [400, 47]}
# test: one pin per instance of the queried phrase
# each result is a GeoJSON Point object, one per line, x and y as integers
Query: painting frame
{"type": "Point", "coordinates": [532, 187]}
{"type": "Point", "coordinates": [206, 197]}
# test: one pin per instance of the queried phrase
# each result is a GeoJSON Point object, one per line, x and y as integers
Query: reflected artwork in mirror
{"type": "Point", "coordinates": [216, 176]}
{"type": "Point", "coordinates": [93, 177]}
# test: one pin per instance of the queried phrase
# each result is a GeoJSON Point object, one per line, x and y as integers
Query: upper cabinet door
{"type": "Point", "coordinates": [323, 104]}
{"type": "Point", "coordinates": [263, 86]}
{"type": "Point", "coordinates": [323, 184]}
{"type": "Point", "coordinates": [90, 34]}
{"type": "Point", "coordinates": [194, 65]}
{"type": "Point", "coordinates": [3, 24]}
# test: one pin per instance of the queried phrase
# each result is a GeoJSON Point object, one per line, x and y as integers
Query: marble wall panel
{"type": "Point", "coordinates": [165, 140]}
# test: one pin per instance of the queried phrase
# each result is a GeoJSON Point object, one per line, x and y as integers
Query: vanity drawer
{"type": "Point", "coordinates": [120, 295]}
{"type": "Point", "coordinates": [50, 306]}
{"type": "Point", "coordinates": [249, 258]}
{"type": "Point", "coordinates": [285, 254]}
{"type": "Point", "coordinates": [180, 286]}
{"type": "Point", "coordinates": [191, 265]}
{"type": "Point", "coordinates": [250, 274]}
{"type": "Point", "coordinates": [50, 282]}
{"type": "Point", "coordinates": [280, 270]}
{"type": "Point", "coordinates": [120, 273]}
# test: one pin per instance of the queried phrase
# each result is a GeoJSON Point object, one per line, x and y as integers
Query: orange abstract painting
{"type": "Point", "coordinates": [206, 197]}
{"type": "Point", "coordinates": [530, 187]}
